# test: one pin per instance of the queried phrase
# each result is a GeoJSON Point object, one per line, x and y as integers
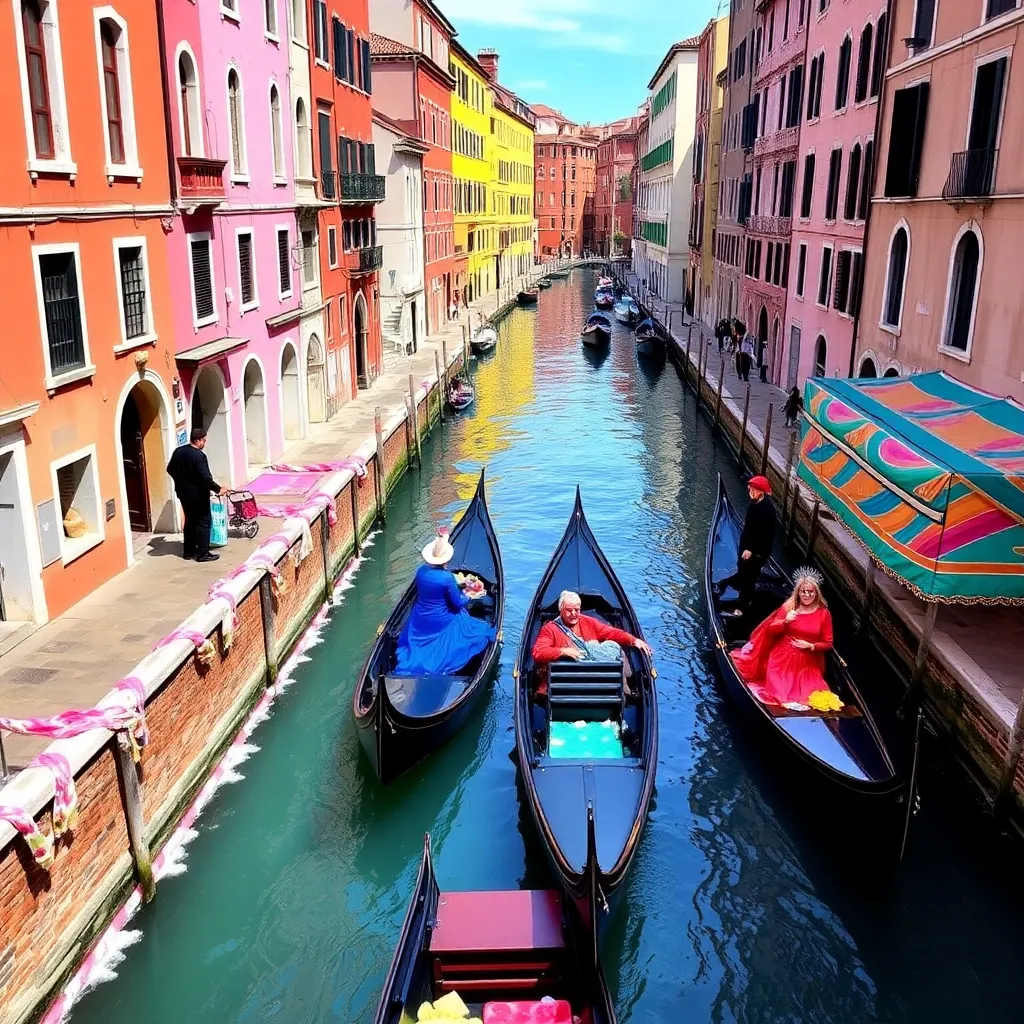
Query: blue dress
{"type": "Point", "coordinates": [440, 636]}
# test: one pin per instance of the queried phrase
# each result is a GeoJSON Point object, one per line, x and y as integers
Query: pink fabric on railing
{"type": "Point", "coordinates": [205, 650]}
{"type": "Point", "coordinates": [356, 463]}
{"type": "Point", "coordinates": [65, 796]}
{"type": "Point", "coordinates": [39, 842]}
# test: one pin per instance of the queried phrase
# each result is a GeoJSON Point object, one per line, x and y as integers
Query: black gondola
{"type": "Point", "coordinates": [647, 341]}
{"type": "Point", "coordinates": [461, 393]}
{"type": "Point", "coordinates": [516, 945]}
{"type": "Point", "coordinates": [484, 340]}
{"type": "Point", "coordinates": [844, 751]}
{"type": "Point", "coordinates": [604, 298]}
{"type": "Point", "coordinates": [597, 330]}
{"type": "Point", "coordinates": [544, 283]}
{"type": "Point", "coordinates": [528, 297]}
{"type": "Point", "coordinates": [401, 719]}
{"type": "Point", "coordinates": [589, 813]}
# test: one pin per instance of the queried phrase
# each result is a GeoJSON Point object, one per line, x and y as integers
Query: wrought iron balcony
{"type": "Point", "coordinates": [327, 186]}
{"type": "Point", "coordinates": [777, 142]}
{"type": "Point", "coordinates": [781, 227]}
{"type": "Point", "coordinates": [202, 180]}
{"type": "Point", "coordinates": [362, 188]}
{"type": "Point", "coordinates": [364, 260]}
{"type": "Point", "coordinates": [971, 175]}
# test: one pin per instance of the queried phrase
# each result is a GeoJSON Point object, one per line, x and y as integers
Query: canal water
{"type": "Point", "coordinates": [738, 908]}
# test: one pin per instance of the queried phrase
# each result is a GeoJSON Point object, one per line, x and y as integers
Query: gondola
{"type": "Point", "coordinates": [461, 393]}
{"type": "Point", "coordinates": [843, 753]}
{"type": "Point", "coordinates": [604, 299]}
{"type": "Point", "coordinates": [543, 283]}
{"type": "Point", "coordinates": [605, 282]}
{"type": "Point", "coordinates": [484, 340]}
{"type": "Point", "coordinates": [493, 949]}
{"type": "Point", "coordinates": [626, 310]}
{"type": "Point", "coordinates": [558, 275]}
{"type": "Point", "coordinates": [401, 719]}
{"type": "Point", "coordinates": [589, 812]}
{"type": "Point", "coordinates": [597, 330]}
{"type": "Point", "coordinates": [647, 341]}
{"type": "Point", "coordinates": [528, 297]}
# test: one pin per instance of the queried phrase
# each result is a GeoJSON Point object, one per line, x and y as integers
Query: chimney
{"type": "Point", "coordinates": [488, 60]}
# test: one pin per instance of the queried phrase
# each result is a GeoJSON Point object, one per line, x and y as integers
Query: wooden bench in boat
{"type": "Point", "coordinates": [504, 941]}
{"type": "Point", "coordinates": [587, 684]}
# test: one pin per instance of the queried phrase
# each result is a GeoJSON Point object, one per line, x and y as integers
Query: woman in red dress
{"type": "Point", "coordinates": [783, 663]}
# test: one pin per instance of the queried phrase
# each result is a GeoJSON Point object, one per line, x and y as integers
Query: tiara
{"type": "Point", "coordinates": [805, 572]}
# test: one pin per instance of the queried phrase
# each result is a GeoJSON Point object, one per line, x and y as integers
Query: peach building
{"type": "Point", "coordinates": [943, 247]}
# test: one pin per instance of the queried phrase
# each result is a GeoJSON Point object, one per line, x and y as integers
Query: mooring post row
{"type": "Point", "coordinates": [380, 476]}
{"type": "Point", "coordinates": [131, 792]}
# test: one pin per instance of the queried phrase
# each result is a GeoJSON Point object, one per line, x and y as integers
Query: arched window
{"type": "Point", "coordinates": [963, 292]}
{"type": "Point", "coordinates": [852, 184]}
{"type": "Point", "coordinates": [891, 372]}
{"type": "Point", "coordinates": [878, 66]}
{"type": "Point", "coordinates": [188, 89]}
{"type": "Point", "coordinates": [304, 154]}
{"type": "Point", "coordinates": [275, 132]}
{"type": "Point", "coordinates": [895, 278]}
{"type": "Point", "coordinates": [864, 64]}
{"type": "Point", "coordinates": [820, 356]}
{"type": "Point", "coordinates": [867, 368]}
{"type": "Point", "coordinates": [38, 84]}
{"type": "Point", "coordinates": [109, 33]}
{"type": "Point", "coordinates": [843, 72]}
{"type": "Point", "coordinates": [865, 188]}
{"type": "Point", "coordinates": [235, 119]}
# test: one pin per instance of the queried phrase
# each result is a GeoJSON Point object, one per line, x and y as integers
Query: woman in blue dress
{"type": "Point", "coordinates": [440, 636]}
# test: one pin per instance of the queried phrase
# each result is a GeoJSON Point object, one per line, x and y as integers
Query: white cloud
{"type": "Point", "coordinates": [532, 85]}
{"type": "Point", "coordinates": [557, 17]}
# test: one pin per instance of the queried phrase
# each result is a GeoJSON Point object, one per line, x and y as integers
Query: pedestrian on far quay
{"type": "Point", "coordinates": [722, 332]}
{"type": "Point", "coordinates": [746, 356]}
{"type": "Point", "coordinates": [794, 406]}
{"type": "Point", "coordinates": [193, 484]}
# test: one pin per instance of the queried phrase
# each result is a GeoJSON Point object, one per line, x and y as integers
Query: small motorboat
{"type": "Point", "coordinates": [513, 955]}
{"type": "Point", "coordinates": [626, 310]}
{"type": "Point", "coordinates": [604, 298]}
{"type": "Point", "coordinates": [528, 297]}
{"type": "Point", "coordinates": [589, 787]}
{"type": "Point", "coordinates": [597, 330]}
{"type": "Point", "coordinates": [543, 283]}
{"type": "Point", "coordinates": [605, 282]}
{"type": "Point", "coordinates": [558, 275]}
{"type": "Point", "coordinates": [461, 393]}
{"type": "Point", "coordinates": [484, 340]}
{"type": "Point", "coordinates": [648, 342]}
{"type": "Point", "coordinates": [402, 719]}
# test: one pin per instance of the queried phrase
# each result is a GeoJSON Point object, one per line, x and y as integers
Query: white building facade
{"type": "Point", "coordinates": [661, 251]}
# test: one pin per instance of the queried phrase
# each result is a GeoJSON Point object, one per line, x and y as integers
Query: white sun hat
{"type": "Point", "coordinates": [439, 551]}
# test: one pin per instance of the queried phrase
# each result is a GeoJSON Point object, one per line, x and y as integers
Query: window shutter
{"type": "Point", "coordinates": [856, 283]}
{"type": "Point", "coordinates": [336, 48]}
{"type": "Point", "coordinates": [920, 116]}
{"type": "Point", "coordinates": [367, 83]}
{"type": "Point", "coordinates": [906, 138]}
{"type": "Point", "coordinates": [842, 282]}
{"type": "Point", "coordinates": [284, 267]}
{"type": "Point", "coordinates": [202, 278]}
{"type": "Point", "coordinates": [245, 268]}
{"type": "Point", "coordinates": [372, 158]}
{"type": "Point", "coordinates": [350, 55]}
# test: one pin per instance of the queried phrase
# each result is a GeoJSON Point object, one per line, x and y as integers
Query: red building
{"type": "Point", "coordinates": [348, 186]}
{"type": "Point", "coordinates": [613, 199]}
{"type": "Point", "coordinates": [415, 89]}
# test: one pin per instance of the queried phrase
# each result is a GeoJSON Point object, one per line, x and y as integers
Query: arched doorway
{"type": "Point", "coordinates": [141, 432]}
{"type": "Point", "coordinates": [316, 391]}
{"type": "Point", "coordinates": [362, 339]}
{"type": "Point", "coordinates": [291, 408]}
{"type": "Point", "coordinates": [868, 368]}
{"type": "Point", "coordinates": [254, 403]}
{"type": "Point", "coordinates": [775, 350]}
{"type": "Point", "coordinates": [210, 411]}
{"type": "Point", "coordinates": [820, 356]}
{"type": "Point", "coordinates": [762, 341]}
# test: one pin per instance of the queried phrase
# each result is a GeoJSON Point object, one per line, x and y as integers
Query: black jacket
{"type": "Point", "coordinates": [190, 471]}
{"type": "Point", "coordinates": [759, 529]}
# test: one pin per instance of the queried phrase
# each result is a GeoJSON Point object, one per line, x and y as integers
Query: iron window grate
{"type": "Point", "coordinates": [133, 291]}
{"type": "Point", "coordinates": [59, 278]}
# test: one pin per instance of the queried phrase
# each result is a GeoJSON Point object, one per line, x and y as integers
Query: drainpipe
{"type": "Point", "coordinates": [874, 176]}
{"type": "Point", "coordinates": [172, 167]}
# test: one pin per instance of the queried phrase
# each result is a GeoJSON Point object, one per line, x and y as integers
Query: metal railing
{"type": "Point", "coordinates": [364, 260]}
{"type": "Point", "coordinates": [971, 174]}
{"type": "Point", "coordinates": [362, 188]}
{"type": "Point", "coordinates": [778, 226]}
{"type": "Point", "coordinates": [328, 185]}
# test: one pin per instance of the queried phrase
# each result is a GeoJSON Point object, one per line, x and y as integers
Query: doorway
{"type": "Point", "coordinates": [762, 339]}
{"type": "Point", "coordinates": [291, 413]}
{"type": "Point", "coordinates": [133, 464]}
{"type": "Point", "coordinates": [16, 599]}
{"type": "Point", "coordinates": [794, 357]}
{"type": "Point", "coordinates": [414, 314]}
{"type": "Point", "coordinates": [316, 392]}
{"type": "Point", "coordinates": [254, 403]}
{"type": "Point", "coordinates": [362, 380]}
{"type": "Point", "coordinates": [210, 411]}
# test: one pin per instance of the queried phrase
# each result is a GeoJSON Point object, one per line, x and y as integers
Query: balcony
{"type": "Point", "coordinates": [202, 180]}
{"type": "Point", "coordinates": [327, 187]}
{"type": "Point", "coordinates": [789, 52]}
{"type": "Point", "coordinates": [362, 188]}
{"type": "Point", "coordinates": [777, 142]}
{"type": "Point", "coordinates": [775, 227]}
{"type": "Point", "coordinates": [971, 176]}
{"type": "Point", "coordinates": [364, 260]}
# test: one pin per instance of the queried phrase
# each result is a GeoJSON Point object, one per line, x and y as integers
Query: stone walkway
{"type": "Point", "coordinates": [73, 660]}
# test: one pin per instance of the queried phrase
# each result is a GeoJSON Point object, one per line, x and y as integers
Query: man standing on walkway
{"type": "Point", "coordinates": [193, 484]}
{"type": "Point", "coordinates": [746, 356]}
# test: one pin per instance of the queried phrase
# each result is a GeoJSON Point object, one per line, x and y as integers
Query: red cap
{"type": "Point", "coordinates": [760, 483]}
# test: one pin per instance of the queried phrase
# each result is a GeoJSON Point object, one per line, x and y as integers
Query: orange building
{"type": "Point", "coordinates": [87, 388]}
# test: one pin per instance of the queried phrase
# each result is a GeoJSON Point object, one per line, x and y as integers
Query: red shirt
{"type": "Point", "coordinates": [551, 640]}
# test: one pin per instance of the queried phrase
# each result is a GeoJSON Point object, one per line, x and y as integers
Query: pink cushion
{"type": "Point", "coordinates": [556, 1012]}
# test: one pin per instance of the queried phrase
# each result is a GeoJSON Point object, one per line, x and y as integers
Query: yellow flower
{"type": "Point", "coordinates": [825, 700]}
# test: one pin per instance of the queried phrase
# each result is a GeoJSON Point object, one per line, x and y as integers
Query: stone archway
{"type": "Point", "coordinates": [892, 371]}
{"type": "Point", "coordinates": [316, 388]}
{"type": "Point", "coordinates": [291, 404]}
{"type": "Point", "coordinates": [254, 405]}
{"type": "Point", "coordinates": [362, 341]}
{"type": "Point", "coordinates": [868, 368]}
{"type": "Point", "coordinates": [210, 410]}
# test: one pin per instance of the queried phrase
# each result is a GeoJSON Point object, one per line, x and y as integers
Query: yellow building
{"type": "Point", "coordinates": [471, 169]}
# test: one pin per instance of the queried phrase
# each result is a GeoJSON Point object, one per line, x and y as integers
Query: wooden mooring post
{"type": "Point", "coordinates": [465, 348]}
{"type": "Point", "coordinates": [440, 390]}
{"type": "Point", "coordinates": [914, 693]}
{"type": "Point", "coordinates": [325, 546]}
{"type": "Point", "coordinates": [269, 631]}
{"type": "Point", "coordinates": [718, 396]}
{"type": "Point", "coordinates": [812, 532]}
{"type": "Point", "coordinates": [353, 490]}
{"type": "Point", "coordinates": [444, 371]}
{"type": "Point", "coordinates": [743, 428]}
{"type": "Point", "coordinates": [790, 456]}
{"type": "Point", "coordinates": [381, 475]}
{"type": "Point", "coordinates": [686, 363]}
{"type": "Point", "coordinates": [131, 794]}
{"type": "Point", "coordinates": [414, 410]}
{"type": "Point", "coordinates": [766, 445]}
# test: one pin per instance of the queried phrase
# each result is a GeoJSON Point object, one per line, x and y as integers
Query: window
{"type": "Point", "coordinates": [230, 8]}
{"type": "Point", "coordinates": [842, 298]}
{"type": "Point", "coordinates": [801, 269]}
{"type": "Point", "coordinates": [133, 295]}
{"type": "Point", "coordinates": [276, 131]}
{"type": "Point", "coordinates": [116, 94]}
{"type": "Point", "coordinates": [59, 293]}
{"type": "Point", "coordinates": [895, 278]}
{"type": "Point", "coordinates": [309, 255]}
{"type": "Point", "coordinates": [247, 296]}
{"type": "Point", "coordinates": [111, 93]}
{"type": "Point", "coordinates": [788, 186]}
{"type": "Point", "coordinates": [332, 246]}
{"type": "Point", "coordinates": [962, 296]}
{"type": "Point", "coordinates": [986, 109]}
{"type": "Point", "coordinates": [996, 7]}
{"type": "Point", "coordinates": [299, 20]}
{"type": "Point", "coordinates": [270, 17]}
{"type": "Point", "coordinates": [906, 140]}
{"type": "Point", "coordinates": [204, 307]}
{"type": "Point", "coordinates": [852, 184]}
{"type": "Point", "coordinates": [807, 195]}
{"type": "Point", "coordinates": [237, 123]}
{"type": "Point", "coordinates": [924, 25]}
{"type": "Point", "coordinates": [76, 487]}
{"type": "Point", "coordinates": [812, 85]}
{"type": "Point", "coordinates": [835, 170]}
{"type": "Point", "coordinates": [303, 149]}
{"type": "Point", "coordinates": [881, 44]}
{"type": "Point", "coordinates": [825, 275]}
{"type": "Point", "coordinates": [866, 180]}
{"type": "Point", "coordinates": [38, 83]}
{"type": "Point", "coordinates": [189, 108]}
{"type": "Point", "coordinates": [843, 72]}
{"type": "Point", "coordinates": [820, 356]}
{"type": "Point", "coordinates": [860, 93]}
{"type": "Point", "coordinates": [795, 97]}
{"type": "Point", "coordinates": [320, 31]}
{"type": "Point", "coordinates": [284, 263]}
{"type": "Point", "coordinates": [814, 89]}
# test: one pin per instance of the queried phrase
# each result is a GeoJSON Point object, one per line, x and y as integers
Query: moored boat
{"type": "Point", "coordinates": [461, 393]}
{"type": "Point", "coordinates": [509, 955]}
{"type": "Point", "coordinates": [648, 342]}
{"type": "Point", "coordinates": [559, 275]}
{"type": "Point", "coordinates": [528, 297]}
{"type": "Point", "coordinates": [401, 719]}
{"type": "Point", "coordinates": [842, 752]}
{"type": "Point", "coordinates": [590, 807]}
{"type": "Point", "coordinates": [605, 282]}
{"type": "Point", "coordinates": [543, 283]}
{"type": "Point", "coordinates": [626, 310]}
{"type": "Point", "coordinates": [604, 298]}
{"type": "Point", "coordinates": [597, 330]}
{"type": "Point", "coordinates": [484, 340]}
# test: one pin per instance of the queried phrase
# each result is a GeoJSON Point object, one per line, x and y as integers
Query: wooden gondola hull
{"type": "Point", "coordinates": [598, 336]}
{"type": "Point", "coordinates": [649, 347]}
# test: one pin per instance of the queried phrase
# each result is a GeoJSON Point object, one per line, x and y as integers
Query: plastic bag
{"type": "Point", "coordinates": [218, 523]}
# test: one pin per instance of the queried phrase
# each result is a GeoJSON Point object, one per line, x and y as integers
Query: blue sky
{"type": "Point", "coordinates": [591, 59]}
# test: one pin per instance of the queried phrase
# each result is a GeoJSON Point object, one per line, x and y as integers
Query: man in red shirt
{"type": "Point", "coordinates": [565, 636]}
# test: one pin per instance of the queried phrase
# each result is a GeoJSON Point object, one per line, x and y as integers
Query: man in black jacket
{"type": "Point", "coordinates": [756, 541]}
{"type": "Point", "coordinates": [193, 484]}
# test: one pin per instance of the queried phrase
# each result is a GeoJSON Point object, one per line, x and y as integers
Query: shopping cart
{"type": "Point", "coordinates": [244, 513]}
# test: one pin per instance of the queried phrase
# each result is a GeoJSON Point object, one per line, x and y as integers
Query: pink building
{"type": "Point", "coordinates": [943, 246]}
{"type": "Point", "coordinates": [846, 54]}
{"type": "Point", "coordinates": [239, 268]}
{"type": "Point", "coordinates": [771, 125]}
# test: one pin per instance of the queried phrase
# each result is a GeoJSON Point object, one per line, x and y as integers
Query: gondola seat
{"type": "Point", "coordinates": [586, 689]}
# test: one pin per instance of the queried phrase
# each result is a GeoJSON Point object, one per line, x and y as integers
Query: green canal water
{"type": "Point", "coordinates": [738, 907]}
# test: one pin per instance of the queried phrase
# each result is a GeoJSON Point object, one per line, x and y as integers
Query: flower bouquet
{"type": "Point", "coordinates": [472, 586]}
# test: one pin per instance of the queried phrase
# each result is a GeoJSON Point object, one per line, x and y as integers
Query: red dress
{"type": "Point", "coordinates": [775, 670]}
